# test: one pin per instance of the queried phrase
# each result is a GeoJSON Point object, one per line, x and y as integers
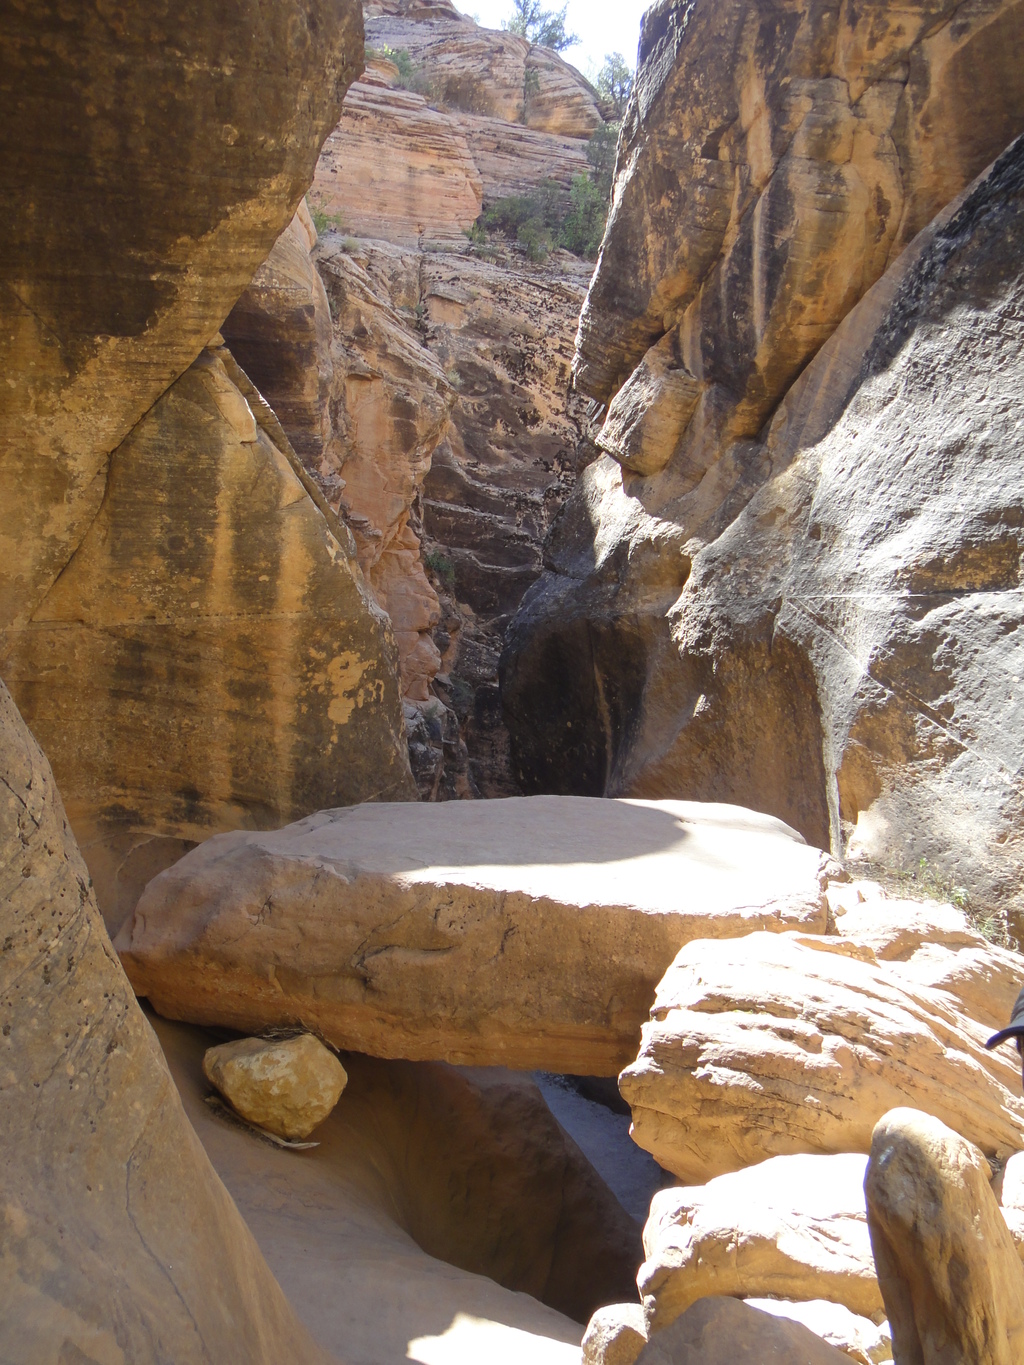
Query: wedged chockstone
{"type": "Point", "coordinates": [529, 932]}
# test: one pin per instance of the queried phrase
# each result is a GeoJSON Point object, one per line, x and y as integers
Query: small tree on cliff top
{"type": "Point", "coordinates": [545, 27]}
{"type": "Point", "coordinates": [614, 82]}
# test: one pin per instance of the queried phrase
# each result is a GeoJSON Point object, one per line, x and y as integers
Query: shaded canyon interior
{"type": "Point", "coordinates": [511, 836]}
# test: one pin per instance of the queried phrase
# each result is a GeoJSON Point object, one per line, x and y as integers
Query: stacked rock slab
{"type": "Point", "coordinates": [951, 1279]}
{"type": "Point", "coordinates": [724, 1331]}
{"type": "Point", "coordinates": [792, 1227]}
{"type": "Point", "coordinates": [786, 1043]}
{"type": "Point", "coordinates": [529, 932]}
{"type": "Point", "coordinates": [926, 943]}
{"type": "Point", "coordinates": [821, 622]}
{"type": "Point", "coordinates": [484, 71]}
{"type": "Point", "coordinates": [120, 1241]}
{"type": "Point", "coordinates": [857, 1337]}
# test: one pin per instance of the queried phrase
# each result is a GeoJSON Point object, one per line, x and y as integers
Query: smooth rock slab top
{"type": "Point", "coordinates": [529, 932]}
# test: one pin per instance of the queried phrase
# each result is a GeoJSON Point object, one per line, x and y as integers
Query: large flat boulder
{"type": "Point", "coordinates": [777, 1044]}
{"type": "Point", "coordinates": [529, 932]}
{"type": "Point", "coordinates": [120, 1242]}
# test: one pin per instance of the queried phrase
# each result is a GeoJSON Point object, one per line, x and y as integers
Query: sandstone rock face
{"type": "Point", "coordinates": [951, 1279]}
{"type": "Point", "coordinates": [505, 466]}
{"type": "Point", "coordinates": [856, 1336]}
{"type": "Point", "coordinates": [727, 1332]}
{"type": "Point", "coordinates": [484, 71]}
{"type": "Point", "coordinates": [208, 143]}
{"type": "Point", "coordinates": [390, 403]}
{"type": "Point", "coordinates": [451, 1195]}
{"type": "Point", "coordinates": [528, 932]}
{"type": "Point", "coordinates": [427, 184]}
{"type": "Point", "coordinates": [761, 189]}
{"type": "Point", "coordinates": [930, 944]}
{"type": "Point", "coordinates": [615, 1335]}
{"type": "Point", "coordinates": [819, 624]}
{"type": "Point", "coordinates": [792, 1227]}
{"type": "Point", "coordinates": [777, 1044]}
{"type": "Point", "coordinates": [449, 422]}
{"type": "Point", "coordinates": [209, 658]}
{"type": "Point", "coordinates": [287, 1086]}
{"type": "Point", "coordinates": [279, 331]}
{"type": "Point", "coordinates": [120, 1241]}
{"type": "Point", "coordinates": [512, 159]}
{"type": "Point", "coordinates": [427, 396]}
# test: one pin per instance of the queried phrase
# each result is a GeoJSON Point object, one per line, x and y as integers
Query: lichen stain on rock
{"type": "Point", "coordinates": [343, 676]}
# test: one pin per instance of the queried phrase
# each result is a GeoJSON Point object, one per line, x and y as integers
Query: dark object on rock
{"type": "Point", "coordinates": [1015, 1028]}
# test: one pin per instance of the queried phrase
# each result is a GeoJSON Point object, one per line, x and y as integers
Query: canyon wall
{"type": "Point", "coordinates": [183, 622]}
{"type": "Point", "coordinates": [801, 593]}
{"type": "Point", "coordinates": [423, 378]}
{"type": "Point", "coordinates": [172, 597]}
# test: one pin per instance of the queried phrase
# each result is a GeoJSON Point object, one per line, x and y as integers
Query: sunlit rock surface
{"type": "Point", "coordinates": [792, 1227]}
{"type": "Point", "coordinates": [724, 1331]}
{"type": "Point", "coordinates": [823, 622]}
{"type": "Point", "coordinates": [774, 1044]}
{"type": "Point", "coordinates": [952, 1282]}
{"type": "Point", "coordinates": [284, 1085]}
{"type": "Point", "coordinates": [529, 932]}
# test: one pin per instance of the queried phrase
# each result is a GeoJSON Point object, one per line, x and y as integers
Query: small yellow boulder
{"type": "Point", "coordinates": [286, 1085]}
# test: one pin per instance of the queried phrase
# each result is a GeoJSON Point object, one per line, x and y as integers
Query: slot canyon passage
{"type": "Point", "coordinates": [511, 706]}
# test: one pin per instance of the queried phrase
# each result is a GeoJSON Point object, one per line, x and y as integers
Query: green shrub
{"type": "Point", "coordinates": [583, 227]}
{"type": "Point", "coordinates": [324, 221]}
{"type": "Point", "coordinates": [614, 83]}
{"type": "Point", "coordinates": [601, 155]}
{"type": "Point", "coordinates": [466, 92]}
{"type": "Point", "coordinates": [441, 567]}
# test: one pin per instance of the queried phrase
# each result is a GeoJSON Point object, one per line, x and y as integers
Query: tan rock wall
{"type": "Point", "coordinates": [120, 1242]}
{"type": "Point", "coordinates": [843, 638]}
{"type": "Point", "coordinates": [155, 158]}
{"type": "Point", "coordinates": [425, 185]}
{"type": "Point", "coordinates": [279, 332]}
{"type": "Point", "coordinates": [485, 71]}
{"type": "Point", "coordinates": [209, 658]}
